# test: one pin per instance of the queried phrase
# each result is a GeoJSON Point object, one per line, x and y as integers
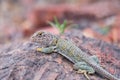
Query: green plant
{"type": "Point", "coordinates": [105, 30]}
{"type": "Point", "coordinates": [60, 27]}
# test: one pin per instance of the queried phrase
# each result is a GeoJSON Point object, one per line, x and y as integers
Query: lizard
{"type": "Point", "coordinates": [83, 62]}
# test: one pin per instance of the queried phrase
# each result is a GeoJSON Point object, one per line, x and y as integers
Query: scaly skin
{"type": "Point", "coordinates": [82, 61]}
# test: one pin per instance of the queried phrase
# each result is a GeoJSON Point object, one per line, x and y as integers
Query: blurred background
{"type": "Point", "coordinates": [99, 19]}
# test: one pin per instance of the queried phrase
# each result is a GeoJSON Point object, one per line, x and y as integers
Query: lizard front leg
{"type": "Point", "coordinates": [47, 49]}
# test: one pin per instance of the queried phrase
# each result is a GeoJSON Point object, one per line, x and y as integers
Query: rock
{"type": "Point", "coordinates": [22, 62]}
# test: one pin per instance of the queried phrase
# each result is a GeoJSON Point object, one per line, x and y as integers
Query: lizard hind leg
{"type": "Point", "coordinates": [83, 67]}
{"type": "Point", "coordinates": [95, 58]}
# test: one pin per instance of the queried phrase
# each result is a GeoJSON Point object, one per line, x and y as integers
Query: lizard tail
{"type": "Point", "coordinates": [103, 72]}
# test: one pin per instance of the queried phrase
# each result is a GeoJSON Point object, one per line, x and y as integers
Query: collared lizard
{"type": "Point", "coordinates": [83, 62]}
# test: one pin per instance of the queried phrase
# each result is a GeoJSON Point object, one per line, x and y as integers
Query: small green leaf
{"type": "Point", "coordinates": [52, 24]}
{"type": "Point", "coordinates": [56, 22]}
{"type": "Point", "coordinates": [60, 27]}
{"type": "Point", "coordinates": [105, 30]}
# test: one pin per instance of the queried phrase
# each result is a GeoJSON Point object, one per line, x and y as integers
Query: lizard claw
{"type": "Point", "coordinates": [83, 72]}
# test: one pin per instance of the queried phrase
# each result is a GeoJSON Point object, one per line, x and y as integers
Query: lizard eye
{"type": "Point", "coordinates": [40, 33]}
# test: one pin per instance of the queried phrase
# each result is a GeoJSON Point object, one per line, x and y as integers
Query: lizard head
{"type": "Point", "coordinates": [44, 38]}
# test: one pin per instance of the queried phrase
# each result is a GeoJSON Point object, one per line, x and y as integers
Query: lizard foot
{"type": "Point", "coordinates": [83, 67]}
{"type": "Point", "coordinates": [39, 49]}
{"type": "Point", "coordinates": [83, 72]}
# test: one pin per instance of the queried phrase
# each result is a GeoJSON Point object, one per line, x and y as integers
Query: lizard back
{"type": "Point", "coordinates": [69, 49]}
